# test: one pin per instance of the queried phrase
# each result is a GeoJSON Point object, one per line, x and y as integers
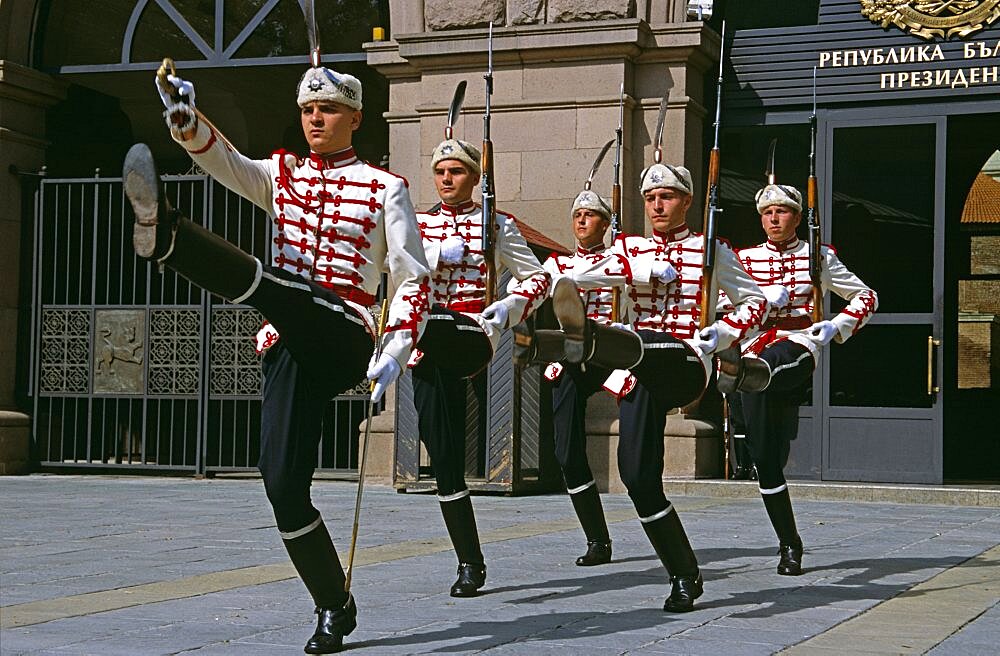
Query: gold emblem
{"type": "Point", "coordinates": [930, 18]}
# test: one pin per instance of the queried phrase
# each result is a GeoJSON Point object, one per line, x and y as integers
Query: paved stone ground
{"type": "Point", "coordinates": [121, 565]}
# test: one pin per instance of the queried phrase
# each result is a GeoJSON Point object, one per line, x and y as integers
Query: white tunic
{"type": "Point", "coordinates": [599, 301]}
{"type": "Point", "coordinates": [787, 264]}
{"type": "Point", "coordinates": [674, 307]}
{"type": "Point", "coordinates": [338, 221]}
{"type": "Point", "coordinates": [462, 286]}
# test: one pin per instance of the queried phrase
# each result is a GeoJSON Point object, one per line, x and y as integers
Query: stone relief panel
{"type": "Point", "coordinates": [65, 352]}
{"type": "Point", "coordinates": [119, 351]}
{"type": "Point", "coordinates": [465, 14]}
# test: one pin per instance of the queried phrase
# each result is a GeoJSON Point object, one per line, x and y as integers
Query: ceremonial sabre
{"type": "Point", "coordinates": [812, 219]}
{"type": "Point", "coordinates": [364, 449]}
{"type": "Point", "coordinates": [488, 185]}
{"type": "Point", "coordinates": [712, 209]}
{"type": "Point", "coordinates": [770, 172]}
{"type": "Point", "coordinates": [616, 196]}
{"type": "Point", "coordinates": [455, 109]}
{"type": "Point", "coordinates": [167, 68]}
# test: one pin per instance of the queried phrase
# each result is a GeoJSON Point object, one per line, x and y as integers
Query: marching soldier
{"type": "Point", "coordinates": [777, 366]}
{"type": "Point", "coordinates": [462, 336]}
{"type": "Point", "coordinates": [662, 276]}
{"type": "Point", "coordinates": [572, 384]}
{"type": "Point", "coordinates": [339, 223]}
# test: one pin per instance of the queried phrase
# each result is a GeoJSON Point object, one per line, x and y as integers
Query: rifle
{"type": "Point", "coordinates": [488, 182]}
{"type": "Point", "coordinates": [812, 218]}
{"type": "Point", "coordinates": [712, 208]}
{"type": "Point", "coordinates": [616, 197]}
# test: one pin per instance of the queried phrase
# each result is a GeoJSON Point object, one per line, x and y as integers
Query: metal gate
{"type": "Point", "coordinates": [133, 368]}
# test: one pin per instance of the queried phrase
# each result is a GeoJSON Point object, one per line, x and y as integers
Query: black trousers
{"type": "Point", "coordinates": [456, 352]}
{"type": "Point", "coordinates": [323, 350]}
{"type": "Point", "coordinates": [569, 407]}
{"type": "Point", "coordinates": [770, 419]}
{"type": "Point", "coordinates": [670, 375]}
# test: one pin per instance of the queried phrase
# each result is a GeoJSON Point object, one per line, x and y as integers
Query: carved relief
{"type": "Point", "coordinates": [119, 351]}
{"type": "Point", "coordinates": [933, 18]}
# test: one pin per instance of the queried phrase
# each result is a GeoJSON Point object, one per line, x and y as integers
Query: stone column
{"type": "Point", "coordinates": [24, 96]}
{"type": "Point", "coordinates": [558, 66]}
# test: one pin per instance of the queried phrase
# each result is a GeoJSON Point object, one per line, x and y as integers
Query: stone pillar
{"type": "Point", "coordinates": [558, 66]}
{"type": "Point", "coordinates": [24, 96]}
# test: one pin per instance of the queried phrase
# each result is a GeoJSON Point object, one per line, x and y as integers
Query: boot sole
{"type": "Point", "coordinates": [730, 367]}
{"type": "Point", "coordinates": [141, 184]}
{"type": "Point", "coordinates": [572, 315]}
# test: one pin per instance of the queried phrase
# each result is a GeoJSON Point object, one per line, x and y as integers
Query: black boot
{"type": "Point", "coordinates": [587, 504]}
{"type": "Point", "coordinates": [671, 544]}
{"type": "Point", "coordinates": [315, 559]}
{"type": "Point", "coordinates": [742, 373]}
{"type": "Point", "coordinates": [612, 348]}
{"type": "Point", "coordinates": [572, 316]}
{"type": "Point", "coordinates": [163, 235]}
{"type": "Point", "coordinates": [742, 465]}
{"type": "Point", "coordinates": [460, 520]}
{"type": "Point", "coordinates": [779, 510]}
{"type": "Point", "coordinates": [525, 349]}
{"type": "Point", "coordinates": [332, 625]}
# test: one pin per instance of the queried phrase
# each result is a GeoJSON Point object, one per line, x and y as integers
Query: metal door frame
{"type": "Point", "coordinates": [829, 122]}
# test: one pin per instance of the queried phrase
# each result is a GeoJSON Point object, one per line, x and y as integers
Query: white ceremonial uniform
{"type": "Point", "coordinates": [674, 307]}
{"type": "Point", "coordinates": [339, 222]}
{"type": "Point", "coordinates": [462, 286]}
{"type": "Point", "coordinates": [787, 265]}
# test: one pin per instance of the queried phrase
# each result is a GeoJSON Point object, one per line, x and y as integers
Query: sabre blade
{"type": "Point", "coordinates": [455, 109]}
{"type": "Point", "coordinates": [658, 135]}
{"type": "Point", "coordinates": [772, 176]}
{"type": "Point", "coordinates": [597, 163]}
{"type": "Point", "coordinates": [309, 12]}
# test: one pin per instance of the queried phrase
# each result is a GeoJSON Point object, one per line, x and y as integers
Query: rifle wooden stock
{"type": "Point", "coordinates": [815, 254]}
{"type": "Point", "coordinates": [616, 211]}
{"type": "Point", "coordinates": [489, 223]}
{"type": "Point", "coordinates": [707, 312]}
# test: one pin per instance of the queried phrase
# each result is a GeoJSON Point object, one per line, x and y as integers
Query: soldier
{"type": "Point", "coordinates": [572, 384]}
{"type": "Point", "coordinates": [663, 279]}
{"type": "Point", "coordinates": [462, 336]}
{"type": "Point", "coordinates": [339, 223]}
{"type": "Point", "coordinates": [777, 366]}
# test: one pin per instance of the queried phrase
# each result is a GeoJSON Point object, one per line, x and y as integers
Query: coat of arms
{"type": "Point", "coordinates": [933, 18]}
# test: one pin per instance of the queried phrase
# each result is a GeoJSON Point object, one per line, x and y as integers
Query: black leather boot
{"type": "Point", "coordinates": [742, 373]}
{"type": "Point", "coordinates": [779, 511]}
{"type": "Point", "coordinates": [742, 465]}
{"type": "Point", "coordinates": [671, 544]}
{"type": "Point", "coordinates": [525, 350]}
{"type": "Point", "coordinates": [161, 234]}
{"type": "Point", "coordinates": [587, 504]}
{"type": "Point", "coordinates": [332, 625]}
{"type": "Point", "coordinates": [571, 313]}
{"type": "Point", "coordinates": [612, 348]}
{"type": "Point", "coordinates": [460, 520]}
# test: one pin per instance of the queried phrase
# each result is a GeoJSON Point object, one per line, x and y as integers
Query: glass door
{"type": "Point", "coordinates": [879, 395]}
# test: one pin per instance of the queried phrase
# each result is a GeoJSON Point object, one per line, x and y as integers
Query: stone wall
{"type": "Point", "coordinates": [558, 69]}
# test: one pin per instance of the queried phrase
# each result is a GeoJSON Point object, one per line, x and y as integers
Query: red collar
{"type": "Point", "coordinates": [680, 232]}
{"type": "Point", "coordinates": [599, 248]}
{"type": "Point", "coordinates": [783, 246]}
{"type": "Point", "coordinates": [461, 208]}
{"type": "Point", "coordinates": [335, 160]}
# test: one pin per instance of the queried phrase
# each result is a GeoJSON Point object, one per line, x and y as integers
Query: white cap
{"type": "Point", "coordinates": [324, 84]}
{"type": "Point", "coordinates": [462, 151]}
{"type": "Point", "coordinates": [776, 194]}
{"type": "Point", "coordinates": [589, 200]}
{"type": "Point", "coordinates": [664, 176]}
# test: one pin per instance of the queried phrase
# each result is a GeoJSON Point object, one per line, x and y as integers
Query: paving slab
{"type": "Point", "coordinates": [183, 566]}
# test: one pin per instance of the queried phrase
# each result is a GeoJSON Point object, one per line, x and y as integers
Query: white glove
{"type": "Point", "coordinates": [665, 271]}
{"type": "Point", "coordinates": [822, 332]}
{"type": "Point", "coordinates": [184, 89]}
{"type": "Point", "coordinates": [776, 295]}
{"type": "Point", "coordinates": [496, 314]}
{"type": "Point", "coordinates": [707, 340]}
{"type": "Point", "coordinates": [452, 250]}
{"type": "Point", "coordinates": [384, 372]}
